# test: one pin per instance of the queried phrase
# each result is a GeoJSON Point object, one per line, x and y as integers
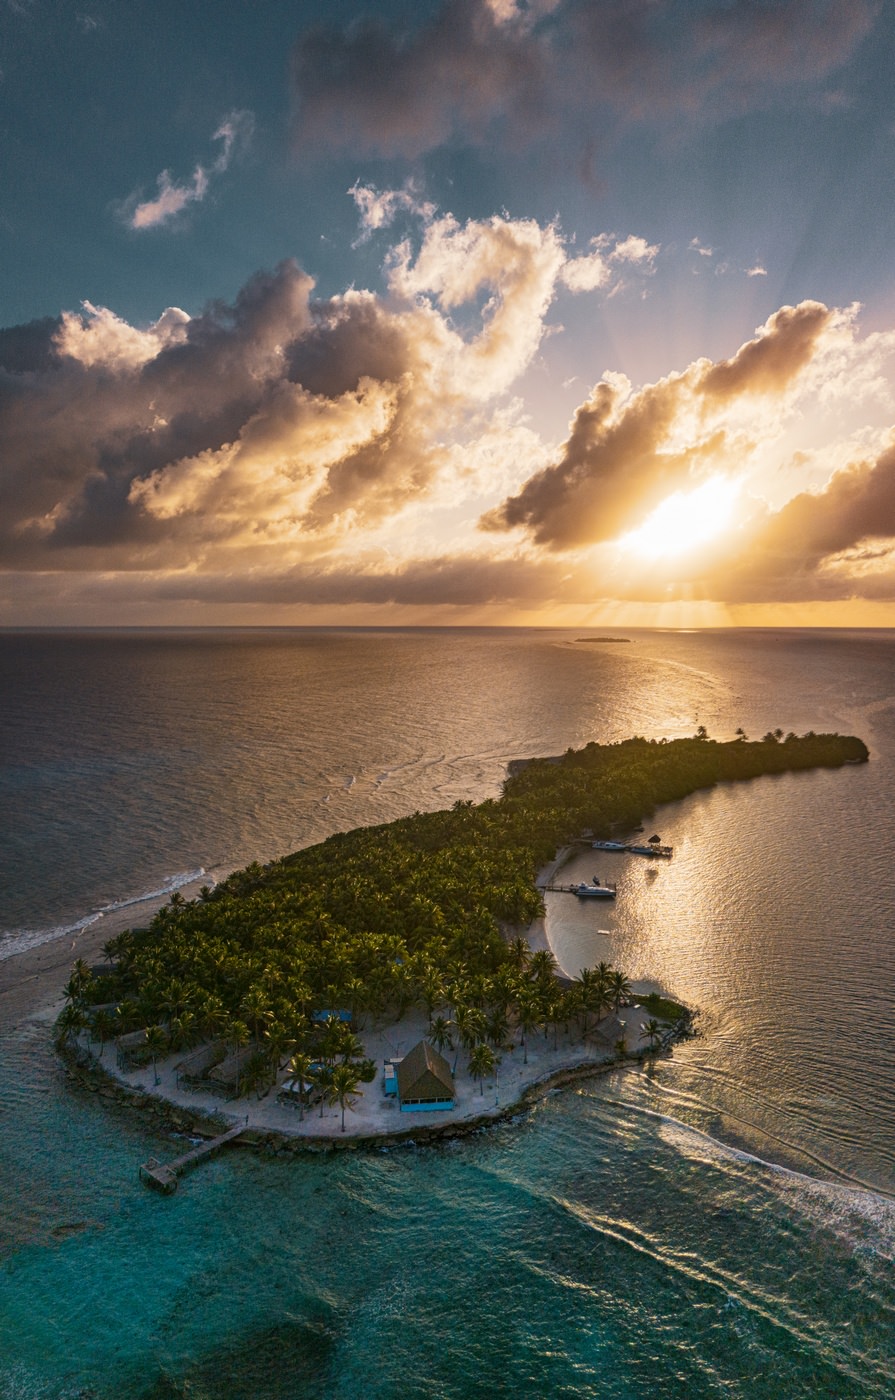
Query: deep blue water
{"type": "Point", "coordinates": [721, 1226]}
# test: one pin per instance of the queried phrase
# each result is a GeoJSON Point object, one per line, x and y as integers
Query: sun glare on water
{"type": "Point", "coordinates": [684, 520]}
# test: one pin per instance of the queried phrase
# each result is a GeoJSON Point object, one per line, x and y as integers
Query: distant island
{"type": "Point", "coordinates": [602, 639]}
{"type": "Point", "coordinates": [299, 983]}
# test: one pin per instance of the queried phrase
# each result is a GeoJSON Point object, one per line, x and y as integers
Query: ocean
{"type": "Point", "coordinates": [719, 1224]}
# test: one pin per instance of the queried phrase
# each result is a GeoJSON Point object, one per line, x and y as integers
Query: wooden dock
{"type": "Point", "coordinates": [162, 1176]}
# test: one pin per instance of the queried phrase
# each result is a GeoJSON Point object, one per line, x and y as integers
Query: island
{"type": "Point", "coordinates": [382, 983]}
{"type": "Point", "coordinates": [602, 639]}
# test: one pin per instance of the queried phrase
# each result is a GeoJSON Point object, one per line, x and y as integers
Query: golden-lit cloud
{"type": "Point", "coordinates": [292, 449]}
{"type": "Point", "coordinates": [627, 449]}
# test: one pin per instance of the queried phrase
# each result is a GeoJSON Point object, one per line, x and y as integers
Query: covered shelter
{"type": "Point", "coordinates": [425, 1081]}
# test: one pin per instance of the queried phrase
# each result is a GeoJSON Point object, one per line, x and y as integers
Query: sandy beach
{"type": "Point", "coordinates": [33, 980]}
{"type": "Point", "coordinates": [31, 988]}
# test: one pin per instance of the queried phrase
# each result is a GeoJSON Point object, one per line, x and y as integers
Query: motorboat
{"type": "Point", "coordinates": [655, 851]}
{"type": "Point", "coordinates": [594, 890]}
{"type": "Point", "coordinates": [608, 845]}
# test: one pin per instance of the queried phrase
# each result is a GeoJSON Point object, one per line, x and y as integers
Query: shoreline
{"type": "Point", "coordinates": [26, 988]}
{"type": "Point", "coordinates": [165, 1116]}
{"type": "Point", "coordinates": [525, 1073]}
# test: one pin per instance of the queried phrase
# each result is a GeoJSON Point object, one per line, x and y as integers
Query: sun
{"type": "Point", "coordinates": [684, 520]}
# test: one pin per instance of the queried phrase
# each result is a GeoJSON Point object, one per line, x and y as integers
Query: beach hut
{"type": "Point", "coordinates": [194, 1068]}
{"type": "Point", "coordinates": [132, 1049]}
{"type": "Point", "coordinates": [225, 1077]}
{"type": "Point", "coordinates": [425, 1082]}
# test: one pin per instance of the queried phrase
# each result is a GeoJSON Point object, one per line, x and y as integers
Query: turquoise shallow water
{"type": "Point", "coordinates": [700, 1230]}
{"type": "Point", "coordinates": [596, 1247]}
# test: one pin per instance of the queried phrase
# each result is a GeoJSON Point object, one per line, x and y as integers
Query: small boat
{"type": "Point", "coordinates": [661, 851]}
{"type": "Point", "coordinates": [608, 845]}
{"type": "Point", "coordinates": [594, 891]}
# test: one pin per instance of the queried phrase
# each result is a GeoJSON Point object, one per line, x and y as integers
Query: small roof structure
{"type": "Point", "coordinates": [609, 1031]}
{"type": "Point", "coordinates": [425, 1076]}
{"type": "Point", "coordinates": [199, 1061]}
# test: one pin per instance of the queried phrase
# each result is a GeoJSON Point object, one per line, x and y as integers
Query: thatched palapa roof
{"type": "Point", "coordinates": [425, 1074]}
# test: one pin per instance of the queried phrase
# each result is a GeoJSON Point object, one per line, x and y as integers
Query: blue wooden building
{"type": "Point", "coordinates": [425, 1082]}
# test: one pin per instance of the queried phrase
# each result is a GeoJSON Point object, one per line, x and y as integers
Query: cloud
{"type": "Point", "coordinates": [444, 580]}
{"type": "Point", "coordinates": [373, 89]}
{"type": "Point", "coordinates": [782, 348]}
{"type": "Point", "coordinates": [291, 447]}
{"type": "Point", "coordinates": [99, 337]}
{"type": "Point", "coordinates": [603, 268]}
{"type": "Point", "coordinates": [627, 449]}
{"type": "Point", "coordinates": [280, 423]}
{"type": "Point", "coordinates": [473, 70]}
{"type": "Point", "coordinates": [379, 208]}
{"type": "Point", "coordinates": [234, 133]}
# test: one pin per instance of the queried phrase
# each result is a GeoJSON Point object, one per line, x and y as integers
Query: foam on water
{"type": "Point", "coordinates": [14, 941]}
{"type": "Point", "coordinates": [588, 1248]}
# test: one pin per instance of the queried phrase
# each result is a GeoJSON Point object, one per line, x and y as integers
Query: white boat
{"type": "Point", "coordinates": [608, 845]}
{"type": "Point", "coordinates": [594, 891]}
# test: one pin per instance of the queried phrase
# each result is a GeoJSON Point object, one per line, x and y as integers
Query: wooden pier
{"type": "Point", "coordinates": [162, 1176]}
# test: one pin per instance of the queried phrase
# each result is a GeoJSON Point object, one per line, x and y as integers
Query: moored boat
{"type": "Point", "coordinates": [594, 891]}
{"type": "Point", "coordinates": [608, 845]}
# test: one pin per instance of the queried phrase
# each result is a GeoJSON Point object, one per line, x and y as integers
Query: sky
{"type": "Point", "coordinates": [528, 312]}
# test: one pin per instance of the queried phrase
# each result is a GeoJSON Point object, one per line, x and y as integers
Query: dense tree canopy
{"type": "Point", "coordinates": [417, 911]}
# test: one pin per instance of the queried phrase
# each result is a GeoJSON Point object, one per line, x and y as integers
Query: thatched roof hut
{"type": "Point", "coordinates": [425, 1080]}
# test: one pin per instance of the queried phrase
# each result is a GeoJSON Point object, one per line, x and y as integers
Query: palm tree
{"type": "Point", "coordinates": [71, 1020]}
{"type": "Point", "coordinates": [528, 1018]}
{"type": "Point", "coordinates": [497, 1028]}
{"type": "Point", "coordinates": [519, 953]}
{"type": "Point", "coordinates": [652, 1032]}
{"type": "Point", "coordinates": [602, 974]}
{"type": "Point", "coordinates": [343, 1087]}
{"type": "Point", "coordinates": [620, 988]}
{"type": "Point", "coordinates": [481, 1062]}
{"type": "Point", "coordinates": [440, 1033]}
{"type": "Point", "coordinates": [300, 1067]}
{"type": "Point", "coordinates": [542, 965]}
{"type": "Point", "coordinates": [238, 1034]}
{"type": "Point", "coordinates": [156, 1044]}
{"type": "Point", "coordinates": [104, 1023]}
{"type": "Point", "coordinates": [588, 992]}
{"type": "Point", "coordinates": [322, 1078]}
{"type": "Point", "coordinates": [470, 1023]}
{"type": "Point", "coordinates": [256, 1010]}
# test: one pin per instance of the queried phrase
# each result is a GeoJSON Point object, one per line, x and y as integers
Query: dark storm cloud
{"type": "Point", "coordinates": [476, 69]}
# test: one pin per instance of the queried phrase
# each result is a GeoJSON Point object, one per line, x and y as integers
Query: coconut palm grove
{"type": "Point", "coordinates": [425, 911]}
